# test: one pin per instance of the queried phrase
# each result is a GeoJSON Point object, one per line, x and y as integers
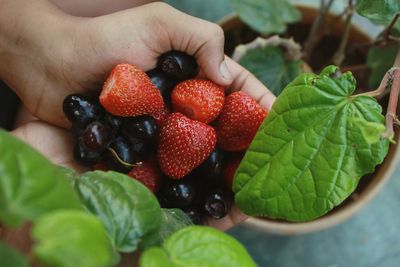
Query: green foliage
{"type": "Point", "coordinates": [269, 65]}
{"type": "Point", "coordinates": [309, 154]}
{"type": "Point", "coordinates": [198, 246]}
{"type": "Point", "coordinates": [9, 257]}
{"type": "Point", "coordinates": [379, 11]}
{"type": "Point", "coordinates": [72, 239]}
{"type": "Point", "coordinates": [266, 17]}
{"type": "Point", "coordinates": [128, 210]}
{"type": "Point", "coordinates": [30, 185]}
{"type": "Point", "coordinates": [172, 220]}
{"type": "Point", "coordinates": [380, 60]}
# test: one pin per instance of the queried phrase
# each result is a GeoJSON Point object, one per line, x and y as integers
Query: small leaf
{"type": "Point", "coordinates": [128, 210]}
{"type": "Point", "coordinates": [172, 220]}
{"type": "Point", "coordinates": [269, 65]}
{"type": "Point", "coordinates": [198, 246]}
{"type": "Point", "coordinates": [30, 185]}
{"type": "Point", "coordinates": [10, 257]}
{"type": "Point", "coordinates": [379, 11]}
{"type": "Point", "coordinates": [155, 257]}
{"type": "Point", "coordinates": [380, 60]}
{"type": "Point", "coordinates": [371, 131]}
{"type": "Point", "coordinates": [266, 17]}
{"type": "Point", "coordinates": [72, 239]}
{"type": "Point", "coordinates": [309, 155]}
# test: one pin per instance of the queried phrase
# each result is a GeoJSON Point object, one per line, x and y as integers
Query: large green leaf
{"type": "Point", "coordinates": [128, 210]}
{"type": "Point", "coordinates": [30, 185]}
{"type": "Point", "coordinates": [172, 220]}
{"type": "Point", "coordinates": [310, 152]}
{"type": "Point", "coordinates": [266, 17]}
{"type": "Point", "coordinates": [380, 60]}
{"type": "Point", "coordinates": [269, 65]}
{"type": "Point", "coordinates": [10, 257]}
{"type": "Point", "coordinates": [72, 239]}
{"type": "Point", "coordinates": [379, 11]}
{"type": "Point", "coordinates": [198, 246]}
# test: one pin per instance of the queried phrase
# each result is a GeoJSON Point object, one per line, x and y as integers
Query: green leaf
{"type": "Point", "coordinates": [72, 239]}
{"type": "Point", "coordinates": [266, 17]}
{"type": "Point", "coordinates": [172, 220]}
{"type": "Point", "coordinates": [198, 246]}
{"type": "Point", "coordinates": [380, 60]}
{"type": "Point", "coordinates": [371, 131]}
{"type": "Point", "coordinates": [379, 11]}
{"type": "Point", "coordinates": [128, 210]}
{"type": "Point", "coordinates": [10, 257]}
{"type": "Point", "coordinates": [30, 185]}
{"type": "Point", "coordinates": [269, 65]}
{"type": "Point", "coordinates": [309, 155]}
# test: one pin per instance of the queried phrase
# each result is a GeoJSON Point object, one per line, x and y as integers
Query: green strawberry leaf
{"type": "Point", "coordinates": [266, 17]}
{"type": "Point", "coordinates": [271, 67]}
{"type": "Point", "coordinates": [379, 11]}
{"type": "Point", "coordinates": [10, 257]}
{"type": "Point", "coordinates": [30, 185]}
{"type": "Point", "coordinates": [72, 239]}
{"type": "Point", "coordinates": [198, 246]}
{"type": "Point", "coordinates": [128, 210]}
{"type": "Point", "coordinates": [172, 220]}
{"type": "Point", "coordinates": [309, 154]}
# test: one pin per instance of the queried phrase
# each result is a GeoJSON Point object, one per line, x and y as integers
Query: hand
{"type": "Point", "coordinates": [55, 54]}
{"type": "Point", "coordinates": [56, 143]}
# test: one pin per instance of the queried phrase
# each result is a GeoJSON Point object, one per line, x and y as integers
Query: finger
{"type": "Point", "coordinates": [202, 39]}
{"type": "Point", "coordinates": [54, 143]}
{"type": "Point", "coordinates": [246, 82]}
{"type": "Point", "coordinates": [234, 217]}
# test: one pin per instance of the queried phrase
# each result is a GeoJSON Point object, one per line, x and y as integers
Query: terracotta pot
{"type": "Point", "coordinates": [371, 184]}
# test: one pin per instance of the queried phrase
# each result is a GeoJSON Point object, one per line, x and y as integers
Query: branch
{"type": "Point", "coordinates": [312, 36]}
{"type": "Point", "coordinates": [339, 56]}
{"type": "Point", "coordinates": [388, 30]}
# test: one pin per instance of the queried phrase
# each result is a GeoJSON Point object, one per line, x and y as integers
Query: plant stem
{"type": "Point", "coordinates": [312, 36]}
{"type": "Point", "coordinates": [339, 56]}
{"type": "Point", "coordinates": [388, 30]}
{"type": "Point", "coordinates": [391, 116]}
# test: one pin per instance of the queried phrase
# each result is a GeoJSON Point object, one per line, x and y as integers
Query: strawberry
{"type": "Point", "coordinates": [129, 92]}
{"type": "Point", "coordinates": [184, 144]}
{"type": "Point", "coordinates": [198, 99]}
{"type": "Point", "coordinates": [148, 174]}
{"type": "Point", "coordinates": [161, 115]}
{"type": "Point", "coordinates": [231, 165]}
{"type": "Point", "coordinates": [238, 122]}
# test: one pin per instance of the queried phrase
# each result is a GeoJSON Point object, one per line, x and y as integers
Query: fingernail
{"type": "Point", "coordinates": [223, 69]}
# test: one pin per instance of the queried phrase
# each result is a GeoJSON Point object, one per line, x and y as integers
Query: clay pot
{"type": "Point", "coordinates": [370, 184]}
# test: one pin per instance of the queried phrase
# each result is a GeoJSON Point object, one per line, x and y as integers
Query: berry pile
{"type": "Point", "coordinates": [178, 135]}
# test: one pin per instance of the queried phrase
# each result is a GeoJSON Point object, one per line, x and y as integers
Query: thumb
{"type": "Point", "coordinates": [202, 39]}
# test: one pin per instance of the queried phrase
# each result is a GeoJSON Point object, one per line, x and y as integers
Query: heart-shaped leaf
{"type": "Point", "coordinates": [310, 153]}
{"type": "Point", "coordinates": [72, 239]}
{"type": "Point", "coordinates": [266, 17]}
{"type": "Point", "coordinates": [198, 246]}
{"type": "Point", "coordinates": [128, 210]}
{"type": "Point", "coordinates": [30, 185]}
{"type": "Point", "coordinates": [271, 67]}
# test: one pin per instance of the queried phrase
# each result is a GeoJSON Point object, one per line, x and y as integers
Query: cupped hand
{"type": "Point", "coordinates": [57, 143]}
{"type": "Point", "coordinates": [74, 54]}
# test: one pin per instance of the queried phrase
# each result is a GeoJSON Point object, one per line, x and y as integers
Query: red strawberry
{"type": "Point", "coordinates": [129, 92]}
{"type": "Point", "coordinates": [161, 115]}
{"type": "Point", "coordinates": [184, 145]}
{"type": "Point", "coordinates": [148, 174]}
{"type": "Point", "coordinates": [198, 99]}
{"type": "Point", "coordinates": [230, 168]}
{"type": "Point", "coordinates": [238, 122]}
